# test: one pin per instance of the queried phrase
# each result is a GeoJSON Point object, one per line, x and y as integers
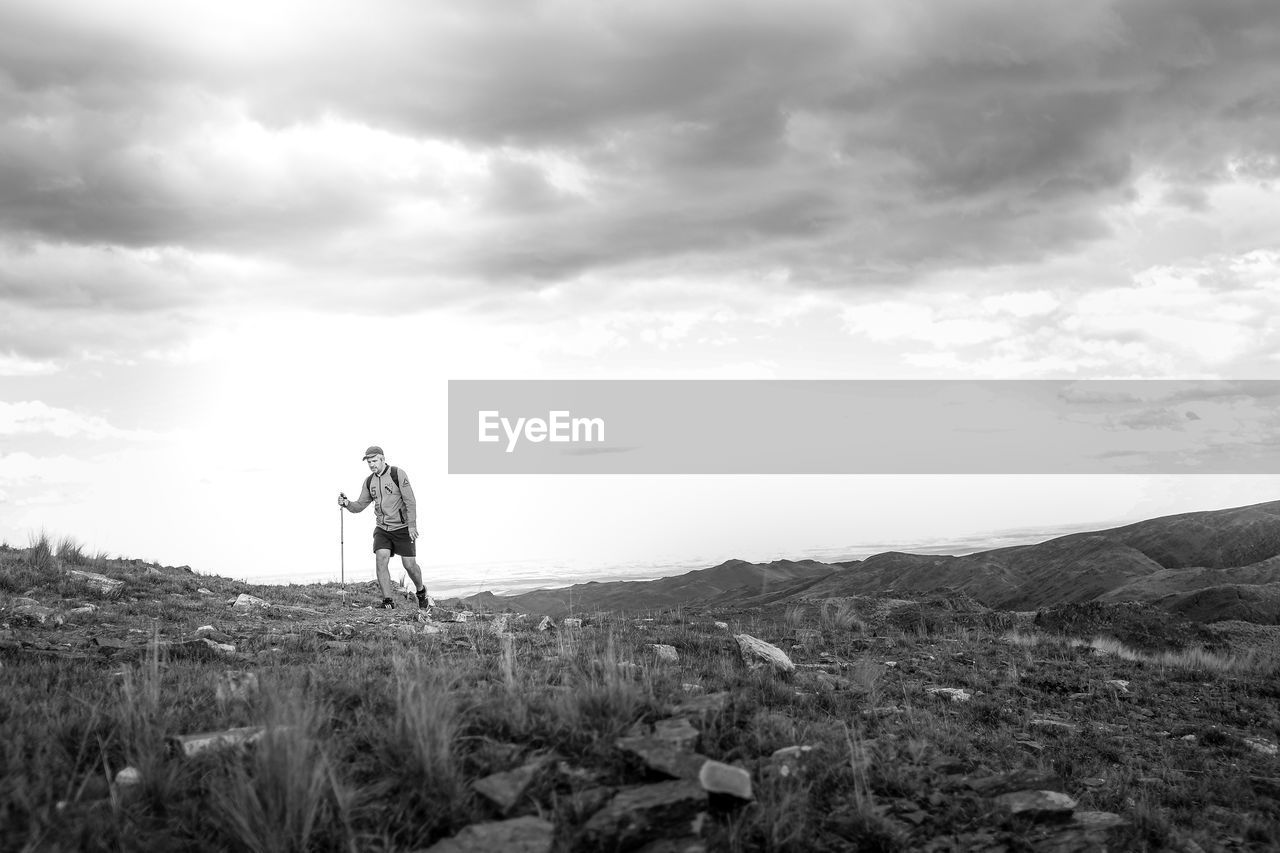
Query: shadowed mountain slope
{"type": "Point", "coordinates": [1084, 566]}
{"type": "Point", "coordinates": [727, 581]}
{"type": "Point", "coordinates": [1164, 560]}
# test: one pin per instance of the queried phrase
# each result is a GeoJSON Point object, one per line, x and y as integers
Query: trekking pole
{"type": "Point", "coordinates": [342, 553]}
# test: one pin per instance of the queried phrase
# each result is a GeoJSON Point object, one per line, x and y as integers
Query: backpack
{"type": "Point", "coordinates": [395, 478]}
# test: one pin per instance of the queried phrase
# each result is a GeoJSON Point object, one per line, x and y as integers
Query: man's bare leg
{"type": "Point", "coordinates": [383, 556]}
{"type": "Point", "coordinates": [414, 571]}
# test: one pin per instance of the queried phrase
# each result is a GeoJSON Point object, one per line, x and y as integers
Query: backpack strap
{"type": "Point", "coordinates": [395, 478]}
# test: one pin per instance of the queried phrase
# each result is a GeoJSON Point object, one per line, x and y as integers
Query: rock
{"type": "Point", "coordinates": [546, 624]}
{"type": "Point", "coordinates": [35, 614]}
{"type": "Point", "coordinates": [723, 626]}
{"type": "Point", "coordinates": [586, 802]}
{"type": "Point", "coordinates": [570, 623]}
{"type": "Point", "coordinates": [718, 778]}
{"type": "Point", "coordinates": [643, 814]}
{"type": "Point", "coordinates": [678, 733]}
{"type": "Point", "coordinates": [245, 603]}
{"type": "Point", "coordinates": [505, 789]}
{"type": "Point", "coordinates": [1086, 832]}
{"type": "Point", "coordinates": [1037, 806]}
{"type": "Point", "coordinates": [661, 757]}
{"type": "Point", "coordinates": [1260, 745]}
{"type": "Point", "coordinates": [1016, 780]}
{"type": "Point", "coordinates": [665, 653]}
{"type": "Point", "coordinates": [891, 664]}
{"type": "Point", "coordinates": [1095, 821]}
{"type": "Point", "coordinates": [709, 703]}
{"type": "Point", "coordinates": [196, 743]}
{"type": "Point", "coordinates": [109, 587]}
{"type": "Point", "coordinates": [204, 591]}
{"type": "Point", "coordinates": [85, 610]}
{"type": "Point", "coordinates": [759, 653]}
{"type": "Point", "coordinates": [690, 687]}
{"type": "Point", "coordinates": [208, 632]}
{"type": "Point", "coordinates": [236, 685]}
{"type": "Point", "coordinates": [791, 760]}
{"type": "Point", "coordinates": [955, 694]}
{"type": "Point", "coordinates": [1055, 725]}
{"type": "Point", "coordinates": [518, 835]}
{"type": "Point", "coordinates": [152, 570]}
{"type": "Point", "coordinates": [1117, 684]}
{"type": "Point", "coordinates": [128, 776]}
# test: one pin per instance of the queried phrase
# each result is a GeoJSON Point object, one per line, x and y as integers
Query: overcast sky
{"type": "Point", "coordinates": [241, 241]}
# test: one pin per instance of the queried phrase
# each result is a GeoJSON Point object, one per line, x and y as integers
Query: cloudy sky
{"type": "Point", "coordinates": [241, 241]}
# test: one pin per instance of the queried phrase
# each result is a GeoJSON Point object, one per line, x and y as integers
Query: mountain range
{"type": "Point", "coordinates": [1211, 565]}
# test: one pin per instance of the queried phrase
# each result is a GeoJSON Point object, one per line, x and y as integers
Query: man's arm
{"type": "Point", "coordinates": [410, 502]}
{"type": "Point", "coordinates": [361, 502]}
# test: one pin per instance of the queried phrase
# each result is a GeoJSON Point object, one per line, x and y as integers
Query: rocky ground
{"type": "Point", "coordinates": [154, 708]}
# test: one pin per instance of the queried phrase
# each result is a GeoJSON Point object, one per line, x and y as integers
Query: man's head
{"type": "Point", "coordinates": [375, 458]}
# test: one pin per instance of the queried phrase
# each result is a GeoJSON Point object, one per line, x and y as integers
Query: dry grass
{"type": "Point", "coordinates": [375, 744]}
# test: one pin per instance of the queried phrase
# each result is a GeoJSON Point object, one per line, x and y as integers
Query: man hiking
{"type": "Point", "coordinates": [396, 521]}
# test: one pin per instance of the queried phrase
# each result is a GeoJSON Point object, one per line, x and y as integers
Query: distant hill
{"type": "Point", "coordinates": [727, 581]}
{"type": "Point", "coordinates": [1209, 565]}
{"type": "Point", "coordinates": [1142, 561]}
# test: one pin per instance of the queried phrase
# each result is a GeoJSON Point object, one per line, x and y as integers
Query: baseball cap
{"type": "Point", "coordinates": [374, 450]}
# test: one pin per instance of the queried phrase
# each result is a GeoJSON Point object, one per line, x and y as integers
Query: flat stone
{"type": "Point", "coordinates": [546, 624]}
{"type": "Point", "coordinates": [677, 732]}
{"type": "Point", "coordinates": [955, 694]}
{"type": "Point", "coordinates": [1117, 684]}
{"type": "Point", "coordinates": [85, 610]}
{"type": "Point", "coordinates": [209, 632]}
{"type": "Point", "coordinates": [723, 626]}
{"type": "Point", "coordinates": [791, 760]}
{"type": "Point", "coordinates": [103, 584]}
{"type": "Point", "coordinates": [506, 789]}
{"type": "Point", "coordinates": [518, 835]}
{"type": "Point", "coordinates": [1038, 806]}
{"type": "Point", "coordinates": [708, 703]}
{"type": "Point", "coordinates": [245, 603]}
{"type": "Point", "coordinates": [759, 653]}
{"type": "Point", "coordinates": [725, 779]}
{"type": "Point", "coordinates": [570, 622]}
{"type": "Point", "coordinates": [665, 653]}
{"type": "Point", "coordinates": [1016, 780]}
{"type": "Point", "coordinates": [643, 814]}
{"type": "Point", "coordinates": [1056, 725]}
{"type": "Point", "coordinates": [194, 744]}
{"type": "Point", "coordinates": [1261, 745]}
{"type": "Point", "coordinates": [203, 591]}
{"type": "Point", "coordinates": [36, 614]}
{"type": "Point", "coordinates": [663, 758]}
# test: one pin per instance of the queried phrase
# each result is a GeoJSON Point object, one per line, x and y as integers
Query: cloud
{"type": "Point", "coordinates": [323, 152]}
{"type": "Point", "coordinates": [35, 418]}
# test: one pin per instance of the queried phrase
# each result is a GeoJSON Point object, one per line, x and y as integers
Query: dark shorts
{"type": "Point", "coordinates": [395, 541]}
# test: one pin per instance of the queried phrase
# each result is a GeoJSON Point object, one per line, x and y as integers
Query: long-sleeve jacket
{"type": "Point", "coordinates": [394, 506]}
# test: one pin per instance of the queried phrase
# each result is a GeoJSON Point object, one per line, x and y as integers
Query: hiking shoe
{"type": "Point", "coordinates": [424, 600]}
{"type": "Point", "coordinates": [387, 604]}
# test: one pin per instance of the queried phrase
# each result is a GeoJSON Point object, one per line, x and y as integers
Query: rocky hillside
{"type": "Point", "coordinates": [1191, 554]}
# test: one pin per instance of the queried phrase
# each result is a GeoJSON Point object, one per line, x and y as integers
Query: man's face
{"type": "Point", "coordinates": [374, 462]}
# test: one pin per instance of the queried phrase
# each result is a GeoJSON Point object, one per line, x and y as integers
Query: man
{"type": "Point", "coordinates": [396, 515]}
